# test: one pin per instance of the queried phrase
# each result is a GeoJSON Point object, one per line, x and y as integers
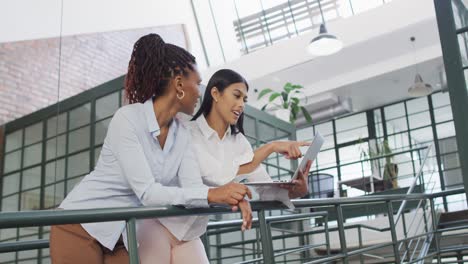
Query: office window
{"type": "Point", "coordinates": [31, 178]}
{"type": "Point", "coordinates": [101, 131]}
{"type": "Point", "coordinates": [107, 105]}
{"type": "Point", "coordinates": [79, 139]}
{"type": "Point", "coordinates": [14, 140]}
{"type": "Point", "coordinates": [80, 116]}
{"type": "Point", "coordinates": [56, 147]}
{"type": "Point", "coordinates": [32, 155]}
{"type": "Point", "coordinates": [56, 125]}
{"type": "Point", "coordinates": [33, 133]}
{"type": "Point", "coordinates": [12, 161]}
{"type": "Point", "coordinates": [78, 164]}
{"type": "Point", "coordinates": [55, 171]}
{"type": "Point", "coordinates": [351, 128]}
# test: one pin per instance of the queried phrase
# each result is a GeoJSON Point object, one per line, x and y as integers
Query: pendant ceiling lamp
{"type": "Point", "coordinates": [419, 88]}
{"type": "Point", "coordinates": [325, 43]}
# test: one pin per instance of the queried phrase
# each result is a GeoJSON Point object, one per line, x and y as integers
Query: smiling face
{"type": "Point", "coordinates": [190, 85]}
{"type": "Point", "coordinates": [230, 103]}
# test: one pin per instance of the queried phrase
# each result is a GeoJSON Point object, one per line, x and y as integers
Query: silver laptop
{"type": "Point", "coordinates": [311, 154]}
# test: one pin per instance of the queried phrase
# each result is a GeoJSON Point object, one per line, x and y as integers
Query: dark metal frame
{"type": "Point", "coordinates": [50, 217]}
{"type": "Point", "coordinates": [455, 72]}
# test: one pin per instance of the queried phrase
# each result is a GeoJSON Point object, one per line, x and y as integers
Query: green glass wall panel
{"type": "Point", "coordinates": [33, 133]}
{"type": "Point", "coordinates": [12, 161]}
{"type": "Point", "coordinates": [80, 116]}
{"type": "Point", "coordinates": [79, 139]}
{"type": "Point", "coordinates": [31, 178]}
{"type": "Point", "coordinates": [56, 125]}
{"type": "Point", "coordinates": [11, 184]}
{"type": "Point", "coordinates": [14, 140]}
{"type": "Point", "coordinates": [107, 105]}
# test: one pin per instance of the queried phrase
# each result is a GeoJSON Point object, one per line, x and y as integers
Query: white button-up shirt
{"type": "Point", "coordinates": [219, 161]}
{"type": "Point", "coordinates": [133, 170]}
{"type": "Point", "coordinates": [220, 158]}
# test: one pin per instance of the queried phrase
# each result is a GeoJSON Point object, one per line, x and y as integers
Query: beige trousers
{"type": "Point", "coordinates": [71, 244]}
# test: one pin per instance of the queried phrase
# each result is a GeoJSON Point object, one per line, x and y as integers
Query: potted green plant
{"type": "Point", "coordinates": [390, 168]}
{"type": "Point", "coordinates": [290, 105]}
{"type": "Point", "coordinates": [390, 172]}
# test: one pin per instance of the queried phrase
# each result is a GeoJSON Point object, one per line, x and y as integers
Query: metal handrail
{"type": "Point", "coordinates": [354, 252]}
{"type": "Point", "coordinates": [427, 239]}
{"type": "Point", "coordinates": [53, 217]}
{"type": "Point", "coordinates": [413, 184]}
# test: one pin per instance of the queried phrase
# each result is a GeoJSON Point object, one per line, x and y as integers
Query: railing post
{"type": "Point", "coordinates": [303, 240]}
{"type": "Point", "coordinates": [361, 256]}
{"type": "Point", "coordinates": [259, 250]}
{"type": "Point", "coordinates": [405, 232]}
{"type": "Point", "coordinates": [132, 241]}
{"type": "Point", "coordinates": [341, 233]}
{"type": "Point", "coordinates": [396, 252]}
{"type": "Point", "coordinates": [254, 250]}
{"type": "Point", "coordinates": [219, 252]}
{"type": "Point", "coordinates": [424, 205]}
{"type": "Point", "coordinates": [434, 229]}
{"type": "Point", "coordinates": [327, 235]}
{"type": "Point", "coordinates": [265, 236]}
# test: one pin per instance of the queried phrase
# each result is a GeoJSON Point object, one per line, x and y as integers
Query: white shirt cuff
{"type": "Point", "coordinates": [196, 197]}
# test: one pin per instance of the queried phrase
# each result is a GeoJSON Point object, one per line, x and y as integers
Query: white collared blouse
{"type": "Point", "coordinates": [133, 170]}
{"type": "Point", "coordinates": [219, 161]}
{"type": "Point", "coordinates": [220, 158]}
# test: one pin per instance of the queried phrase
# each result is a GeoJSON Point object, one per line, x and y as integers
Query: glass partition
{"type": "Point", "coordinates": [401, 131]}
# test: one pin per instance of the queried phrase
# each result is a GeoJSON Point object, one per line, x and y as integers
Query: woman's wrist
{"type": "Point", "coordinates": [273, 146]}
{"type": "Point", "coordinates": [210, 195]}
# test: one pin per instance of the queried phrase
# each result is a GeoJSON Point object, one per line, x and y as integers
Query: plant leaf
{"type": "Point", "coordinates": [264, 92]}
{"type": "Point", "coordinates": [295, 100]}
{"type": "Point", "coordinates": [287, 86]}
{"type": "Point", "coordinates": [264, 107]}
{"type": "Point", "coordinates": [306, 114]}
{"type": "Point", "coordinates": [273, 97]}
{"type": "Point", "coordinates": [285, 96]}
{"type": "Point", "coordinates": [295, 108]}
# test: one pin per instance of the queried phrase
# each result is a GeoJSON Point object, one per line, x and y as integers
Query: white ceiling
{"type": "Point", "coordinates": [390, 87]}
{"type": "Point", "coordinates": [372, 73]}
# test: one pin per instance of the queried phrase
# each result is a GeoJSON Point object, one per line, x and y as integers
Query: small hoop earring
{"type": "Point", "coordinates": [182, 96]}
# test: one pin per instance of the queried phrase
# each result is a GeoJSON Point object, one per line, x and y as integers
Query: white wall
{"type": "Point", "coordinates": [33, 19]}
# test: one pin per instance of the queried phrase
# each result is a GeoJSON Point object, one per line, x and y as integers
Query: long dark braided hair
{"type": "Point", "coordinates": [152, 65]}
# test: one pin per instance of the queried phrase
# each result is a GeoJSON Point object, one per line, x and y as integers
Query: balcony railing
{"type": "Point", "coordinates": [51, 217]}
{"type": "Point", "coordinates": [280, 22]}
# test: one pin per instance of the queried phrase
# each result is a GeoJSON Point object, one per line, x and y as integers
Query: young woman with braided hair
{"type": "Point", "coordinates": [146, 160]}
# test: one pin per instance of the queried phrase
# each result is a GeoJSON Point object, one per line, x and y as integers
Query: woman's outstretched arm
{"type": "Point", "coordinates": [288, 148]}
